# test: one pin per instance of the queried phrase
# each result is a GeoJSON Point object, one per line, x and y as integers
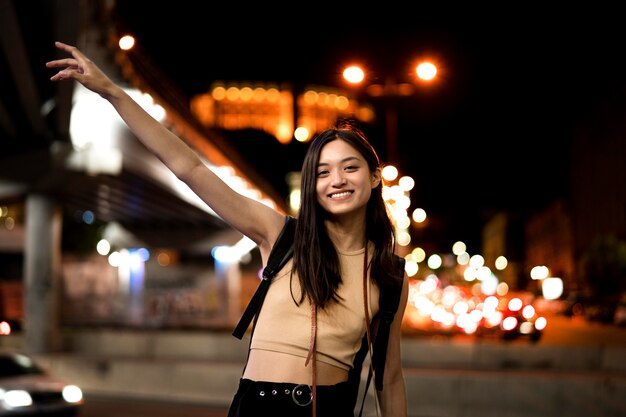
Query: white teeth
{"type": "Point", "coordinates": [339, 195]}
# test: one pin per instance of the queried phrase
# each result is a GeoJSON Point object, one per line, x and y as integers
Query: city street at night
{"type": "Point", "coordinates": [573, 355]}
{"type": "Point", "coordinates": [150, 151]}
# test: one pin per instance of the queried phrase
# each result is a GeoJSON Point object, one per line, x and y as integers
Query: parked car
{"type": "Point", "coordinates": [510, 318]}
{"type": "Point", "coordinates": [520, 319]}
{"type": "Point", "coordinates": [26, 388]}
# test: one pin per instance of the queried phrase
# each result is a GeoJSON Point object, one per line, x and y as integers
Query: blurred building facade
{"type": "Point", "coordinates": [562, 234]}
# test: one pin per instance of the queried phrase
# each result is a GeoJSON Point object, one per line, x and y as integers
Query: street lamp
{"type": "Point", "coordinates": [425, 71]}
{"type": "Point", "coordinates": [396, 196]}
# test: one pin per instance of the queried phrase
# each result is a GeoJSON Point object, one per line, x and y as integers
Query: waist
{"type": "Point", "coordinates": [280, 398]}
{"type": "Point", "coordinates": [267, 365]}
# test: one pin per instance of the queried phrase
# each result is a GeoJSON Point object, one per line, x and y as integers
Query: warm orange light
{"type": "Point", "coordinates": [426, 71]}
{"type": "Point", "coordinates": [354, 74]}
{"type": "Point", "coordinates": [126, 42]}
{"type": "Point", "coordinates": [5, 328]}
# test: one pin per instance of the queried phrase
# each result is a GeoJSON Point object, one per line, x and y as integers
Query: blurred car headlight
{"type": "Point", "coordinates": [5, 328]}
{"type": "Point", "coordinates": [541, 323]}
{"type": "Point", "coordinates": [15, 398]}
{"type": "Point", "coordinates": [72, 394]}
{"type": "Point", "coordinates": [526, 327]}
{"type": "Point", "coordinates": [509, 323]}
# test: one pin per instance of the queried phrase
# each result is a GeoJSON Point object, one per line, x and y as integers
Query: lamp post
{"type": "Point", "coordinates": [397, 196]}
{"type": "Point", "coordinates": [390, 90]}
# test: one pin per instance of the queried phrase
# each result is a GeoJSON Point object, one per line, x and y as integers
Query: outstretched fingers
{"type": "Point", "coordinates": [71, 67]}
{"type": "Point", "coordinates": [74, 51]}
{"type": "Point", "coordinates": [65, 62]}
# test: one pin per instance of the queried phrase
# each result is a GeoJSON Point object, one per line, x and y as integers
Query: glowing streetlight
{"type": "Point", "coordinates": [425, 71]}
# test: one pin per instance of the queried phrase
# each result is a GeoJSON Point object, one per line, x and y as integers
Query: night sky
{"type": "Point", "coordinates": [490, 134]}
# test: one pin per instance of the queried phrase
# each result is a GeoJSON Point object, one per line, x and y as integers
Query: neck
{"type": "Point", "coordinates": [347, 235]}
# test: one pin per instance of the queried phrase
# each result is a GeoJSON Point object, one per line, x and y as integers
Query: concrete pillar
{"type": "Point", "coordinates": [233, 280]}
{"type": "Point", "coordinates": [42, 274]}
{"type": "Point", "coordinates": [228, 278]}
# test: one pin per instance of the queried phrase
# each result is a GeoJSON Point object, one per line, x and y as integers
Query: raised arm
{"type": "Point", "coordinates": [252, 218]}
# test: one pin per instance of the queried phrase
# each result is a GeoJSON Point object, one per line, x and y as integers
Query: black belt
{"type": "Point", "coordinates": [300, 394]}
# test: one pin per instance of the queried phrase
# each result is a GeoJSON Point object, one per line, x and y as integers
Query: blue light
{"type": "Point", "coordinates": [88, 217]}
{"type": "Point", "coordinates": [144, 254]}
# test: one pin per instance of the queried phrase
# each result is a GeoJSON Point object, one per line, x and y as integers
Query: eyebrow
{"type": "Point", "coordinates": [347, 159]}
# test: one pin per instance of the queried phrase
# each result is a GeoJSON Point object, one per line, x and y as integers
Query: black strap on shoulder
{"type": "Point", "coordinates": [389, 300]}
{"type": "Point", "coordinates": [388, 307]}
{"type": "Point", "coordinates": [280, 254]}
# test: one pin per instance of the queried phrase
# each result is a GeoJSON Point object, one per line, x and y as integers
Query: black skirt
{"type": "Point", "coordinates": [279, 399]}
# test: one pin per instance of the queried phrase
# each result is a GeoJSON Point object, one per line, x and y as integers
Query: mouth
{"type": "Point", "coordinates": [340, 195]}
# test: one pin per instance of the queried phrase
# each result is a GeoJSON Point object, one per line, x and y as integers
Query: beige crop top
{"type": "Point", "coordinates": [284, 327]}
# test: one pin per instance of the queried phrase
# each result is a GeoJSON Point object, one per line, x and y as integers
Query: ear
{"type": "Point", "coordinates": [376, 178]}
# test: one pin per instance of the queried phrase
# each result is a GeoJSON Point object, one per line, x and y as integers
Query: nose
{"type": "Point", "coordinates": [338, 178]}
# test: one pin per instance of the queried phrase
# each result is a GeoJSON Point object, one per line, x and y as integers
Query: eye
{"type": "Point", "coordinates": [322, 173]}
{"type": "Point", "coordinates": [351, 168]}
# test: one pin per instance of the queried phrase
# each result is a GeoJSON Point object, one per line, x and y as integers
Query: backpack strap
{"type": "Point", "coordinates": [280, 254]}
{"type": "Point", "coordinates": [388, 301]}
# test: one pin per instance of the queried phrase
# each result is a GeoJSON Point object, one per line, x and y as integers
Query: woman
{"type": "Point", "coordinates": [314, 316]}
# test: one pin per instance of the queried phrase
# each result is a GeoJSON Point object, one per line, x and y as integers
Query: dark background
{"type": "Point", "coordinates": [491, 134]}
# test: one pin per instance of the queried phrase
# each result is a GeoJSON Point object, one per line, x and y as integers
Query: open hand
{"type": "Point", "coordinates": [80, 68]}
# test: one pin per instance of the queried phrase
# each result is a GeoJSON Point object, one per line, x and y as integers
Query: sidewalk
{"type": "Point", "coordinates": [443, 377]}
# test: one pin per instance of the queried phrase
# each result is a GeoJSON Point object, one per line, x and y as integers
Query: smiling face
{"type": "Point", "coordinates": [344, 182]}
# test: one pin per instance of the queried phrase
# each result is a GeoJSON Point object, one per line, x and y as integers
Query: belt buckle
{"type": "Point", "coordinates": [297, 391]}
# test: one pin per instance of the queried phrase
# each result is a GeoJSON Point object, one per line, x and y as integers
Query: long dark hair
{"type": "Point", "coordinates": [315, 257]}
